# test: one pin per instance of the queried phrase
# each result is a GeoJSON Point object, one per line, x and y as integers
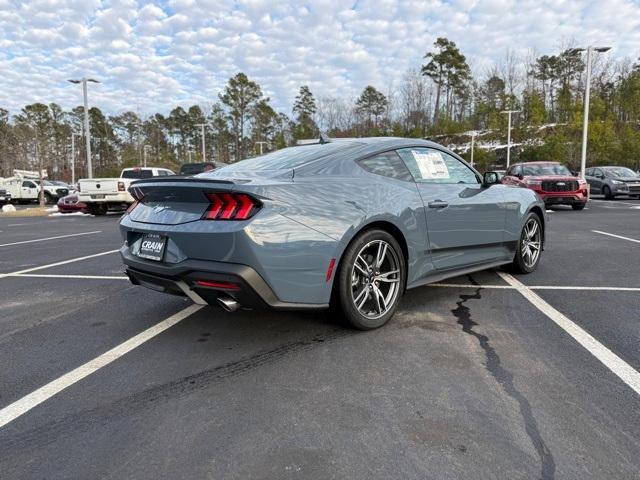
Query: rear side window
{"type": "Point", "coordinates": [387, 164]}
{"type": "Point", "coordinates": [428, 165]}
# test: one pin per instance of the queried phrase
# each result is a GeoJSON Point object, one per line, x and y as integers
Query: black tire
{"type": "Point", "coordinates": [347, 275]}
{"type": "Point", "coordinates": [48, 198]}
{"type": "Point", "coordinates": [97, 209]}
{"type": "Point", "coordinates": [606, 191]}
{"type": "Point", "coordinates": [520, 263]}
{"type": "Point", "coordinates": [578, 206]}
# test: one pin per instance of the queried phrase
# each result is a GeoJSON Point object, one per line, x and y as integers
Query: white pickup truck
{"type": "Point", "coordinates": [103, 194]}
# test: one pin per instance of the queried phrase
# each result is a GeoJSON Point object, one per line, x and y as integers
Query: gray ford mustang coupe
{"type": "Point", "coordinates": [350, 223]}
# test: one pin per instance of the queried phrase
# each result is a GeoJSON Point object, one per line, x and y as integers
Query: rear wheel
{"type": "Point", "coordinates": [529, 246]}
{"type": "Point", "coordinates": [371, 279]}
{"type": "Point", "coordinates": [578, 206]}
{"type": "Point", "coordinates": [606, 191]}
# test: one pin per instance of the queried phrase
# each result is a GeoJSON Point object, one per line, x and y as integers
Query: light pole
{"type": "Point", "coordinates": [509, 112]}
{"type": "Point", "coordinates": [587, 91]}
{"type": "Point", "coordinates": [73, 156]}
{"type": "Point", "coordinates": [261, 144]}
{"type": "Point", "coordinates": [203, 126]}
{"type": "Point", "coordinates": [473, 134]}
{"type": "Point", "coordinates": [87, 131]}
{"type": "Point", "coordinates": [145, 154]}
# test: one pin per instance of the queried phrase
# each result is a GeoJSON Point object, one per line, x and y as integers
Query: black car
{"type": "Point", "coordinates": [195, 168]}
{"type": "Point", "coordinates": [613, 181]}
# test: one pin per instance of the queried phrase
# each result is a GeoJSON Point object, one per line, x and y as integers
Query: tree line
{"type": "Point", "coordinates": [441, 99]}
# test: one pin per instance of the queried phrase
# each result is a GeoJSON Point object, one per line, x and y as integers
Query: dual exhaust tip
{"type": "Point", "coordinates": [228, 304]}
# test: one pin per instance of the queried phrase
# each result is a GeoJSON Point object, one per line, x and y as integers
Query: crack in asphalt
{"type": "Point", "coordinates": [125, 407]}
{"type": "Point", "coordinates": [505, 379]}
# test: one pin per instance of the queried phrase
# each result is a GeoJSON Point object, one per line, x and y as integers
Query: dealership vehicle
{"type": "Point", "coordinates": [101, 195]}
{"type": "Point", "coordinates": [613, 181]}
{"type": "Point", "coordinates": [70, 204]}
{"type": "Point", "coordinates": [195, 168]}
{"type": "Point", "coordinates": [551, 180]}
{"type": "Point", "coordinates": [349, 222]}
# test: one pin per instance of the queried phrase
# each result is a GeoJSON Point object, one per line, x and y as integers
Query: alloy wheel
{"type": "Point", "coordinates": [375, 279]}
{"type": "Point", "coordinates": [531, 242]}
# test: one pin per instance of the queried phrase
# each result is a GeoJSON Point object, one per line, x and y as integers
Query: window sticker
{"type": "Point", "coordinates": [431, 165]}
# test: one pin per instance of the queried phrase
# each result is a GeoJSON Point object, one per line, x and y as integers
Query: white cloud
{"type": "Point", "coordinates": [151, 57]}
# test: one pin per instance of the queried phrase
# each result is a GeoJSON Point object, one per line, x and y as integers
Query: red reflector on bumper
{"type": "Point", "coordinates": [332, 264]}
{"type": "Point", "coordinates": [219, 285]}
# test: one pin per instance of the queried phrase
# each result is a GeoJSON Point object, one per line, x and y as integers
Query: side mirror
{"type": "Point", "coordinates": [520, 176]}
{"type": "Point", "coordinates": [490, 178]}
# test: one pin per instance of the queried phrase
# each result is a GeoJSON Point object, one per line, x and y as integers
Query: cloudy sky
{"type": "Point", "coordinates": [154, 56]}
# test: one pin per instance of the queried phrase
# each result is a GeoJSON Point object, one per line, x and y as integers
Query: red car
{"type": "Point", "coordinates": [552, 181]}
{"type": "Point", "coordinates": [70, 204]}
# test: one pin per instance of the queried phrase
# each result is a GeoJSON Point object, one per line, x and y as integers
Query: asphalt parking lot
{"type": "Point", "coordinates": [485, 376]}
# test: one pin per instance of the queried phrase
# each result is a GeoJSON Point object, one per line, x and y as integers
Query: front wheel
{"type": "Point", "coordinates": [529, 246]}
{"type": "Point", "coordinates": [371, 279]}
{"type": "Point", "coordinates": [606, 191]}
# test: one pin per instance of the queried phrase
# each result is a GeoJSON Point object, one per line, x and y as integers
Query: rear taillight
{"type": "Point", "coordinates": [121, 187]}
{"type": "Point", "coordinates": [131, 207]}
{"type": "Point", "coordinates": [231, 206]}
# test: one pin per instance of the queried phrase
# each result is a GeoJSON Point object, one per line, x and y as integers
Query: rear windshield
{"type": "Point", "coordinates": [284, 159]}
{"type": "Point", "coordinates": [550, 169]}
{"type": "Point", "coordinates": [137, 173]}
{"type": "Point", "coordinates": [191, 168]}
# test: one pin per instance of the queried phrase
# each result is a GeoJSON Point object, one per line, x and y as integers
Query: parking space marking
{"type": "Point", "coordinates": [50, 238]}
{"type": "Point", "coordinates": [593, 289]}
{"type": "Point", "coordinates": [35, 398]}
{"type": "Point", "coordinates": [82, 277]}
{"type": "Point", "coordinates": [537, 287]}
{"type": "Point", "coordinates": [64, 262]}
{"type": "Point", "coordinates": [616, 236]}
{"type": "Point", "coordinates": [622, 369]}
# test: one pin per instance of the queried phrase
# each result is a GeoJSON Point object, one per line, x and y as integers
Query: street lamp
{"type": "Point", "coordinates": [509, 112]}
{"type": "Point", "coordinates": [87, 132]}
{"type": "Point", "coordinates": [203, 126]}
{"type": "Point", "coordinates": [587, 91]}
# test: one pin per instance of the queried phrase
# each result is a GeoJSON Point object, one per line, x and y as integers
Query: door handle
{"type": "Point", "coordinates": [438, 204]}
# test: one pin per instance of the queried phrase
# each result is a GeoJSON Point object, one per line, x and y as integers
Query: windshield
{"type": "Point", "coordinates": [620, 172]}
{"type": "Point", "coordinates": [137, 174]}
{"type": "Point", "coordinates": [284, 159]}
{"type": "Point", "coordinates": [546, 169]}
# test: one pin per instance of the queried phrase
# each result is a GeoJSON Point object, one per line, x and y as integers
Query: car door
{"type": "Point", "coordinates": [598, 181]}
{"type": "Point", "coordinates": [29, 190]}
{"type": "Point", "coordinates": [465, 221]}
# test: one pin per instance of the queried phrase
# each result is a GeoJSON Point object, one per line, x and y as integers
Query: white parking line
{"type": "Point", "coordinates": [35, 398]}
{"type": "Point", "coordinates": [64, 262]}
{"type": "Point", "coordinates": [82, 277]}
{"type": "Point", "coordinates": [622, 369]}
{"type": "Point", "coordinates": [537, 287]}
{"type": "Point", "coordinates": [50, 238]}
{"type": "Point", "coordinates": [616, 236]}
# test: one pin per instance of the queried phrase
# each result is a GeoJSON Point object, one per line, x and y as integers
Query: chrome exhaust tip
{"type": "Point", "coordinates": [228, 303]}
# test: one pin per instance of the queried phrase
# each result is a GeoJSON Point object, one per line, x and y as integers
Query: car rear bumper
{"type": "Point", "coordinates": [240, 282]}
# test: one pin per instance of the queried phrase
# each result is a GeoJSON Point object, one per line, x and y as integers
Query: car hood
{"type": "Point", "coordinates": [554, 178]}
{"type": "Point", "coordinates": [627, 179]}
